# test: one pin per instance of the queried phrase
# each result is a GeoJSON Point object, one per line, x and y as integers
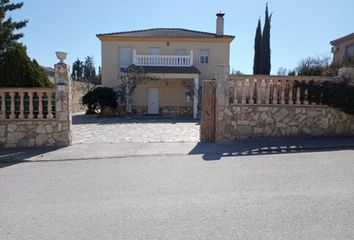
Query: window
{"type": "Point", "coordinates": [181, 52]}
{"type": "Point", "coordinates": [188, 95]}
{"type": "Point", "coordinates": [349, 53]}
{"type": "Point", "coordinates": [154, 51]}
{"type": "Point", "coordinates": [204, 56]}
{"type": "Point", "coordinates": [125, 57]}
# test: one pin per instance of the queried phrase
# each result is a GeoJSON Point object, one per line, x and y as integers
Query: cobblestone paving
{"type": "Point", "coordinates": [93, 129]}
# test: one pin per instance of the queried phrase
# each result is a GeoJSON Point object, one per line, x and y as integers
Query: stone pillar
{"type": "Point", "coordinates": [62, 100]}
{"type": "Point", "coordinates": [222, 85]}
{"type": "Point", "coordinates": [223, 126]}
{"type": "Point", "coordinates": [195, 97]}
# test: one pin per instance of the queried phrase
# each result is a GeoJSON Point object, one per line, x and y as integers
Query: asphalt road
{"type": "Point", "coordinates": [278, 196]}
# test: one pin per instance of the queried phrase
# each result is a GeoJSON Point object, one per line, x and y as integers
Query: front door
{"type": "Point", "coordinates": [153, 101]}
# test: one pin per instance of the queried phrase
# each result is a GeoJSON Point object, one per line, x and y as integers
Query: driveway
{"type": "Point", "coordinates": [94, 129]}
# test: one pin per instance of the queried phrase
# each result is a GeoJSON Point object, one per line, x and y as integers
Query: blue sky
{"type": "Point", "coordinates": [300, 28]}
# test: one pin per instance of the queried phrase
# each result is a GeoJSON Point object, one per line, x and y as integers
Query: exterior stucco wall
{"type": "Point", "coordinates": [339, 56]}
{"type": "Point", "coordinates": [218, 54]}
{"type": "Point", "coordinates": [171, 92]}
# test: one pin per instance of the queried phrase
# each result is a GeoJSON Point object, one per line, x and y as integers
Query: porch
{"type": "Point", "coordinates": [167, 97]}
{"type": "Point", "coordinates": [175, 90]}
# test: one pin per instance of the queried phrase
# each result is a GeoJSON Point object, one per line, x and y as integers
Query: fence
{"type": "Point", "coordinates": [249, 106]}
{"type": "Point", "coordinates": [27, 103]}
{"type": "Point", "coordinates": [32, 117]}
{"type": "Point", "coordinates": [285, 90]}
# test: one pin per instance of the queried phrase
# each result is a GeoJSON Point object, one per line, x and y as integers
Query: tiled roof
{"type": "Point", "coordinates": [168, 69]}
{"type": "Point", "coordinates": [342, 39]}
{"type": "Point", "coordinates": [164, 33]}
{"type": "Point", "coordinates": [48, 70]}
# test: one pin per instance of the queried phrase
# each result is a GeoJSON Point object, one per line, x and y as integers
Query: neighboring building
{"type": "Point", "coordinates": [343, 49]}
{"type": "Point", "coordinates": [50, 72]}
{"type": "Point", "coordinates": [179, 58]}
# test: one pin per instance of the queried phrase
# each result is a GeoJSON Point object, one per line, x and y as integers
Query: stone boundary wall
{"type": "Point", "coordinates": [283, 117]}
{"type": "Point", "coordinates": [40, 131]}
{"type": "Point", "coordinates": [78, 90]}
{"type": "Point", "coordinates": [33, 133]}
{"type": "Point", "coordinates": [245, 121]}
{"type": "Point", "coordinates": [166, 110]}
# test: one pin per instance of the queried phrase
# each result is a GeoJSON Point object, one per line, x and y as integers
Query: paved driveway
{"type": "Point", "coordinates": [93, 129]}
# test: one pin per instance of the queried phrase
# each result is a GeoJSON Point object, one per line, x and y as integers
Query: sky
{"type": "Point", "coordinates": [299, 28]}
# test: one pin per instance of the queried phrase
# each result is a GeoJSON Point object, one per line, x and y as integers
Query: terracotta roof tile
{"type": "Point", "coordinates": [164, 33]}
{"type": "Point", "coordinates": [342, 39]}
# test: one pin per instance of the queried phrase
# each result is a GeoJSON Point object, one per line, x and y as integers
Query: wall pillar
{"type": "Point", "coordinates": [196, 97]}
{"type": "Point", "coordinates": [62, 99]}
{"type": "Point", "coordinates": [223, 125]}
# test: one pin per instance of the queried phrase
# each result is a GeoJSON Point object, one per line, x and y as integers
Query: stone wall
{"type": "Point", "coordinates": [248, 121]}
{"type": "Point", "coordinates": [166, 110]}
{"type": "Point", "coordinates": [40, 130]}
{"type": "Point", "coordinates": [284, 117]}
{"type": "Point", "coordinates": [33, 133]}
{"type": "Point", "coordinates": [78, 90]}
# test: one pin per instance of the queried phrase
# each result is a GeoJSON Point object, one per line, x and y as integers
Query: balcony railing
{"type": "Point", "coordinates": [163, 60]}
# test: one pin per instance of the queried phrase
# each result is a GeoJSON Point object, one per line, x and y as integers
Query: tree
{"type": "Point", "coordinates": [77, 70]}
{"type": "Point", "coordinates": [7, 27]}
{"type": "Point", "coordinates": [18, 70]}
{"type": "Point", "coordinates": [257, 49]}
{"type": "Point", "coordinates": [283, 71]}
{"type": "Point", "coordinates": [313, 66]}
{"type": "Point", "coordinates": [98, 99]}
{"type": "Point", "coordinates": [266, 52]}
{"type": "Point", "coordinates": [135, 75]}
{"type": "Point", "coordinates": [89, 69]}
{"type": "Point", "coordinates": [99, 75]}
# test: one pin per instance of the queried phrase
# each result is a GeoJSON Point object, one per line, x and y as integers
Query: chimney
{"type": "Point", "coordinates": [220, 24]}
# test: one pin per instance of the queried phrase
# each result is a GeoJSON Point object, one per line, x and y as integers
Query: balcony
{"type": "Point", "coordinates": [163, 60]}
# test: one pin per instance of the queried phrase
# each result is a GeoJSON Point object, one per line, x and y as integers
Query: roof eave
{"type": "Point", "coordinates": [225, 38]}
{"type": "Point", "coordinates": [342, 39]}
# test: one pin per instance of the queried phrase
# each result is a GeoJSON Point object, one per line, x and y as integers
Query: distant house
{"type": "Point", "coordinates": [343, 49]}
{"type": "Point", "coordinates": [50, 72]}
{"type": "Point", "coordinates": [176, 57]}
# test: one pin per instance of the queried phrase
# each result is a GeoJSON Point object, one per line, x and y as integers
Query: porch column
{"type": "Point", "coordinates": [195, 97]}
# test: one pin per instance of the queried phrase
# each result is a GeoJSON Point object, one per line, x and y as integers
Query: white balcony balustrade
{"type": "Point", "coordinates": [163, 60]}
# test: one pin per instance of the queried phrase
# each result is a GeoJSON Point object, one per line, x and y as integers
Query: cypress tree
{"type": "Point", "coordinates": [257, 49]}
{"type": "Point", "coordinates": [266, 52]}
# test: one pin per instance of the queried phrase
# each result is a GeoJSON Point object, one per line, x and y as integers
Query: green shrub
{"type": "Point", "coordinates": [98, 99]}
{"type": "Point", "coordinates": [334, 94]}
{"type": "Point", "coordinates": [18, 70]}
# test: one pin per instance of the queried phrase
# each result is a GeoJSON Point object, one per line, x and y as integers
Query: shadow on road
{"type": "Point", "coordinates": [20, 155]}
{"type": "Point", "coordinates": [266, 146]}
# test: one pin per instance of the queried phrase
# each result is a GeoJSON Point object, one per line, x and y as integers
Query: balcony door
{"type": "Point", "coordinates": [181, 52]}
